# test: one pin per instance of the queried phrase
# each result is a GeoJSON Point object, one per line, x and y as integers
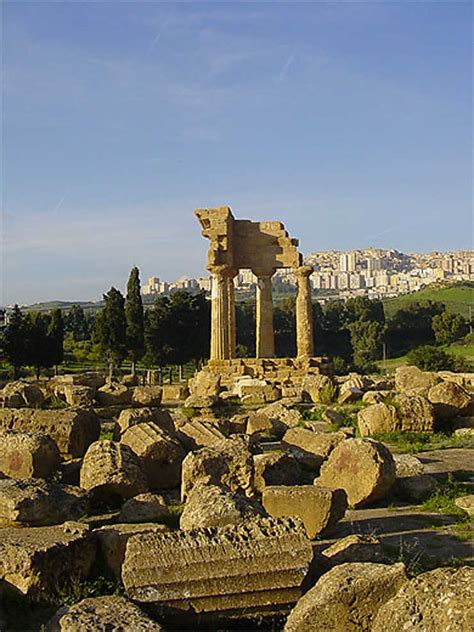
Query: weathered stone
{"type": "Point", "coordinates": [356, 381]}
{"type": "Point", "coordinates": [355, 548]}
{"type": "Point", "coordinates": [113, 540]}
{"type": "Point", "coordinates": [114, 393]}
{"type": "Point", "coordinates": [262, 425]}
{"type": "Point", "coordinates": [21, 395]}
{"type": "Point", "coordinates": [347, 598]}
{"type": "Point", "coordinates": [205, 384]}
{"type": "Point", "coordinates": [27, 454]}
{"type": "Point", "coordinates": [278, 412]}
{"type": "Point", "coordinates": [174, 392]}
{"type": "Point", "coordinates": [81, 396]}
{"type": "Point", "coordinates": [91, 378]}
{"type": "Point", "coordinates": [416, 413]}
{"type": "Point", "coordinates": [349, 395]}
{"type": "Point", "coordinates": [34, 502]}
{"type": "Point", "coordinates": [411, 380]}
{"type": "Point", "coordinates": [275, 468]}
{"type": "Point", "coordinates": [129, 380]}
{"type": "Point", "coordinates": [466, 503]}
{"type": "Point", "coordinates": [312, 448]}
{"type": "Point", "coordinates": [73, 430]}
{"type": "Point", "coordinates": [229, 464]}
{"type": "Point", "coordinates": [200, 401]}
{"type": "Point", "coordinates": [197, 434]}
{"type": "Point", "coordinates": [232, 571]}
{"type": "Point", "coordinates": [449, 399]}
{"type": "Point", "coordinates": [333, 417]}
{"type": "Point", "coordinates": [464, 432]}
{"type": "Point", "coordinates": [415, 489]}
{"type": "Point", "coordinates": [364, 468]}
{"type": "Point", "coordinates": [318, 508]}
{"type": "Point", "coordinates": [112, 470]}
{"type": "Point", "coordinates": [143, 508]}
{"type": "Point", "coordinates": [214, 506]}
{"type": "Point", "coordinates": [238, 423]}
{"type": "Point", "coordinates": [108, 614]}
{"type": "Point", "coordinates": [130, 416]}
{"type": "Point", "coordinates": [40, 561]}
{"type": "Point", "coordinates": [377, 418]}
{"type": "Point", "coordinates": [439, 600]}
{"type": "Point", "coordinates": [252, 394]}
{"type": "Point", "coordinates": [161, 454]}
{"type": "Point", "coordinates": [407, 465]}
{"type": "Point", "coordinates": [71, 472]}
{"type": "Point", "coordinates": [375, 397]}
{"type": "Point", "coordinates": [317, 388]}
{"type": "Point", "coordinates": [147, 396]}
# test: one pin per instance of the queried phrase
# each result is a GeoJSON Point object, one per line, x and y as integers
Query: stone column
{"type": "Point", "coordinates": [304, 313]}
{"type": "Point", "coordinates": [219, 315]}
{"type": "Point", "coordinates": [231, 313]}
{"type": "Point", "coordinates": [265, 343]}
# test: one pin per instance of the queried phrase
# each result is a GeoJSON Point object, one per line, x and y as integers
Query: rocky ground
{"type": "Point", "coordinates": [344, 506]}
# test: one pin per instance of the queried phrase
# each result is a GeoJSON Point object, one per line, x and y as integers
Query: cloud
{"type": "Point", "coordinates": [286, 66]}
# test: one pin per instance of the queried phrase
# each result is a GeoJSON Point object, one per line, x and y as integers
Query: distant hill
{"type": "Point", "coordinates": [65, 305]}
{"type": "Point", "coordinates": [457, 298]}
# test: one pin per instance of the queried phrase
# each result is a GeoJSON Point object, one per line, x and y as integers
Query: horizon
{"type": "Point", "coordinates": [347, 122]}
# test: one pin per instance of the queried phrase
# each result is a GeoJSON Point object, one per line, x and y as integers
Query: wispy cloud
{"type": "Point", "coordinates": [158, 35]}
{"type": "Point", "coordinates": [286, 66]}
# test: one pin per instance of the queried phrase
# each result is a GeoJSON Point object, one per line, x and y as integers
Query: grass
{"type": "Point", "coordinates": [413, 442]}
{"type": "Point", "coordinates": [459, 350]}
{"type": "Point", "coordinates": [457, 298]}
{"type": "Point", "coordinates": [442, 500]}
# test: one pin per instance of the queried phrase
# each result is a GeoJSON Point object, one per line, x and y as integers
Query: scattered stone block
{"type": "Point", "coordinates": [466, 503]}
{"type": "Point", "coordinates": [174, 392]}
{"type": "Point", "coordinates": [355, 548]}
{"type": "Point", "coordinates": [112, 470]}
{"type": "Point", "coordinates": [375, 397]}
{"type": "Point", "coordinates": [73, 430]}
{"type": "Point", "coordinates": [311, 448]}
{"type": "Point", "coordinates": [275, 468]}
{"type": "Point", "coordinates": [318, 508]}
{"type": "Point", "coordinates": [416, 413]}
{"type": "Point", "coordinates": [130, 416]}
{"type": "Point", "coordinates": [365, 469]}
{"type": "Point", "coordinates": [449, 399]}
{"type": "Point", "coordinates": [246, 570]}
{"type": "Point", "coordinates": [238, 423]}
{"type": "Point", "coordinates": [143, 508]}
{"type": "Point", "coordinates": [411, 380]}
{"type": "Point", "coordinates": [205, 384]}
{"type": "Point", "coordinates": [27, 454]}
{"type": "Point", "coordinates": [315, 388]}
{"type": "Point", "coordinates": [40, 561]}
{"type": "Point", "coordinates": [333, 417]}
{"type": "Point", "coordinates": [161, 455]}
{"type": "Point", "coordinates": [108, 614]}
{"type": "Point", "coordinates": [439, 600]}
{"type": "Point", "coordinates": [21, 394]}
{"type": "Point", "coordinates": [147, 396]}
{"type": "Point", "coordinates": [34, 502]}
{"type": "Point", "coordinates": [129, 380]}
{"type": "Point", "coordinates": [113, 394]}
{"type": "Point", "coordinates": [80, 396]}
{"type": "Point", "coordinates": [214, 506]}
{"type": "Point", "coordinates": [349, 395]}
{"type": "Point", "coordinates": [347, 598]}
{"type": "Point", "coordinates": [200, 401]}
{"type": "Point", "coordinates": [377, 418]}
{"type": "Point", "coordinates": [197, 434]}
{"type": "Point", "coordinates": [252, 394]}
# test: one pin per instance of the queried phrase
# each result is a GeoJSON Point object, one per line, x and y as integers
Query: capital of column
{"type": "Point", "coordinates": [304, 271]}
{"type": "Point", "coordinates": [264, 273]}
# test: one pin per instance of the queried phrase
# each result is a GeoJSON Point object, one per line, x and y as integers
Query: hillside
{"type": "Point", "coordinates": [457, 298]}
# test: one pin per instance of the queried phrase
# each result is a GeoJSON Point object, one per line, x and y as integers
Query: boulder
{"type": "Point", "coordinates": [282, 416]}
{"type": "Point", "coordinates": [416, 413]}
{"type": "Point", "coordinates": [319, 508]}
{"type": "Point", "coordinates": [355, 548]}
{"type": "Point", "coordinates": [238, 423]}
{"type": "Point", "coordinates": [130, 416]}
{"type": "Point", "coordinates": [375, 397]}
{"type": "Point", "coordinates": [332, 417]}
{"type": "Point", "coordinates": [347, 599]}
{"type": "Point", "coordinates": [449, 399]}
{"type": "Point", "coordinates": [147, 396]}
{"type": "Point", "coordinates": [197, 434]}
{"type": "Point", "coordinates": [319, 389]}
{"type": "Point", "coordinates": [113, 394]}
{"type": "Point", "coordinates": [311, 448]}
{"type": "Point", "coordinates": [112, 470]}
{"type": "Point", "coordinates": [411, 380]}
{"type": "Point", "coordinates": [27, 454]}
{"type": "Point", "coordinates": [466, 503]}
{"type": "Point", "coordinates": [439, 600]}
{"type": "Point", "coordinates": [73, 430]}
{"type": "Point", "coordinates": [200, 401]}
{"type": "Point", "coordinates": [110, 613]}
{"type": "Point", "coordinates": [253, 394]}
{"type": "Point", "coordinates": [228, 464]}
{"type": "Point", "coordinates": [349, 395]}
{"type": "Point", "coordinates": [92, 379]}
{"type": "Point", "coordinates": [205, 384]}
{"type": "Point", "coordinates": [275, 468]}
{"type": "Point", "coordinates": [113, 540]}
{"type": "Point", "coordinates": [365, 469]}
{"type": "Point", "coordinates": [143, 508]}
{"type": "Point", "coordinates": [174, 392]}
{"type": "Point", "coordinates": [160, 454]}
{"type": "Point", "coordinates": [214, 506]}
{"type": "Point", "coordinates": [235, 571]}
{"type": "Point", "coordinates": [34, 502]}
{"type": "Point", "coordinates": [356, 381]}
{"type": "Point", "coordinates": [39, 562]}
{"type": "Point", "coordinates": [21, 394]}
{"type": "Point", "coordinates": [407, 465]}
{"type": "Point", "coordinates": [80, 396]}
{"type": "Point", "coordinates": [377, 419]}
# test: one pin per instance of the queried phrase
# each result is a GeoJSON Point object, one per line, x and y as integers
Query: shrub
{"type": "Point", "coordinates": [429, 358]}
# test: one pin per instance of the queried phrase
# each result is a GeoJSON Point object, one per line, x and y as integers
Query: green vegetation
{"type": "Point", "coordinates": [457, 299]}
{"type": "Point", "coordinates": [412, 442]}
{"type": "Point", "coordinates": [135, 340]}
{"type": "Point", "coordinates": [442, 499]}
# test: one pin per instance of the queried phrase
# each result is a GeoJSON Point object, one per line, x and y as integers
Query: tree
{"type": "Point", "coordinates": [366, 340]}
{"type": "Point", "coordinates": [245, 326]}
{"type": "Point", "coordinates": [134, 318]}
{"type": "Point", "coordinates": [56, 337]}
{"type": "Point", "coordinates": [157, 348]}
{"type": "Point", "coordinates": [411, 326]}
{"type": "Point", "coordinates": [430, 358]}
{"type": "Point", "coordinates": [284, 325]}
{"type": "Point", "coordinates": [448, 327]}
{"type": "Point", "coordinates": [110, 330]}
{"type": "Point", "coordinates": [78, 324]}
{"type": "Point", "coordinates": [39, 351]}
{"type": "Point", "coordinates": [14, 341]}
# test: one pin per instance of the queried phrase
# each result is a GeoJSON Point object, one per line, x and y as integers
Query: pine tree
{"type": "Point", "coordinates": [134, 318]}
{"type": "Point", "coordinates": [56, 337]}
{"type": "Point", "coordinates": [110, 330]}
{"type": "Point", "coordinates": [14, 341]}
{"type": "Point", "coordinates": [38, 345]}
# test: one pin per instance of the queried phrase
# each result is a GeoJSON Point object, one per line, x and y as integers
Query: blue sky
{"type": "Point", "coordinates": [350, 122]}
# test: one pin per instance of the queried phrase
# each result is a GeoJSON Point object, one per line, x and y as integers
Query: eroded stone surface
{"type": "Point", "coordinates": [27, 454]}
{"type": "Point", "coordinates": [275, 468]}
{"type": "Point", "coordinates": [311, 448]}
{"type": "Point", "coordinates": [411, 380]}
{"type": "Point", "coordinates": [143, 508]}
{"type": "Point", "coordinates": [147, 396]}
{"type": "Point", "coordinates": [449, 399]}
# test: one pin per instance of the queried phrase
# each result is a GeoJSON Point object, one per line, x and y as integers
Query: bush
{"type": "Point", "coordinates": [328, 393]}
{"type": "Point", "coordinates": [429, 358]}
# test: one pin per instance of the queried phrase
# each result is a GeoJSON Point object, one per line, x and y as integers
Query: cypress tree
{"type": "Point", "coordinates": [111, 329]}
{"type": "Point", "coordinates": [134, 318]}
{"type": "Point", "coordinates": [56, 337]}
{"type": "Point", "coordinates": [38, 345]}
{"type": "Point", "coordinates": [14, 341]}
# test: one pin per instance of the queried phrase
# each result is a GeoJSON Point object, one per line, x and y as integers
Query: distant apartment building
{"type": "Point", "coordinates": [347, 262]}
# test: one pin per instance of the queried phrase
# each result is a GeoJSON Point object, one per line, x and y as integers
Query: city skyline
{"type": "Point", "coordinates": [349, 122]}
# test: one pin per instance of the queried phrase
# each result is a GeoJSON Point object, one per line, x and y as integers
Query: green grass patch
{"type": "Point", "coordinates": [442, 499]}
{"type": "Point", "coordinates": [413, 442]}
{"type": "Point", "coordinates": [457, 298]}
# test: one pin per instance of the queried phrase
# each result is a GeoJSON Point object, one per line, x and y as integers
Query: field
{"type": "Point", "coordinates": [457, 298]}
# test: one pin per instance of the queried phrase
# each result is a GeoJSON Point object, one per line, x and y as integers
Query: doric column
{"type": "Point", "coordinates": [231, 313]}
{"type": "Point", "coordinates": [220, 348]}
{"type": "Point", "coordinates": [265, 343]}
{"type": "Point", "coordinates": [304, 313]}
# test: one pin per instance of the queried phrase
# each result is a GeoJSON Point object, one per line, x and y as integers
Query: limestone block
{"type": "Point", "coordinates": [347, 598]}
{"type": "Point", "coordinates": [130, 416]}
{"type": "Point", "coordinates": [411, 380]}
{"type": "Point", "coordinates": [114, 393]}
{"type": "Point", "coordinates": [174, 392]}
{"type": "Point", "coordinates": [377, 418]}
{"type": "Point", "coordinates": [441, 599]}
{"type": "Point", "coordinates": [287, 417]}
{"type": "Point", "coordinates": [243, 570]}
{"type": "Point", "coordinates": [316, 388]}
{"type": "Point", "coordinates": [147, 396]}
{"type": "Point", "coordinates": [375, 397]}
{"type": "Point", "coordinates": [416, 413]}
{"type": "Point", "coordinates": [129, 380]}
{"type": "Point", "coordinates": [27, 454]}
{"type": "Point", "coordinates": [365, 469]}
{"type": "Point", "coordinates": [349, 395]}
{"type": "Point", "coordinates": [265, 393]}
{"type": "Point", "coordinates": [449, 399]}
{"type": "Point", "coordinates": [407, 465]}
{"type": "Point", "coordinates": [110, 613]}
{"type": "Point", "coordinates": [466, 503]}
{"type": "Point", "coordinates": [143, 508]}
{"type": "Point", "coordinates": [21, 394]}
{"type": "Point", "coordinates": [355, 548]}
{"type": "Point", "coordinates": [91, 378]}
{"type": "Point", "coordinates": [161, 455]}
{"type": "Point", "coordinates": [35, 502]}
{"type": "Point", "coordinates": [275, 468]}
{"type": "Point", "coordinates": [200, 401]}
{"type": "Point", "coordinates": [318, 508]}
{"type": "Point", "coordinates": [205, 384]}
{"type": "Point", "coordinates": [311, 448]}
{"type": "Point", "coordinates": [197, 434]}
{"type": "Point", "coordinates": [112, 470]}
{"type": "Point", "coordinates": [40, 561]}
{"type": "Point", "coordinates": [73, 430]}
{"type": "Point", "coordinates": [81, 396]}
